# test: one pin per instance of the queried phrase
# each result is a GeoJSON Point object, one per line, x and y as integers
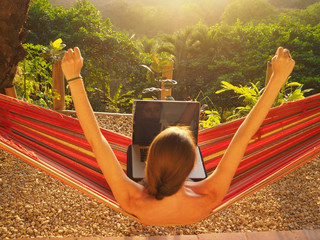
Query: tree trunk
{"type": "Point", "coordinates": [58, 85]}
{"type": "Point", "coordinates": [13, 15]}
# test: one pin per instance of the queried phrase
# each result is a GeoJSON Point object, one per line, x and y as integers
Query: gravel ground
{"type": "Point", "coordinates": [33, 204]}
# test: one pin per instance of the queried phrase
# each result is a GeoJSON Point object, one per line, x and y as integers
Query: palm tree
{"type": "Point", "coordinates": [148, 45]}
{"type": "Point", "coordinates": [204, 43]}
{"type": "Point", "coordinates": [13, 15]}
{"type": "Point", "coordinates": [179, 45]}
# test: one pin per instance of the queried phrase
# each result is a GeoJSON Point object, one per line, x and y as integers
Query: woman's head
{"type": "Point", "coordinates": [170, 160]}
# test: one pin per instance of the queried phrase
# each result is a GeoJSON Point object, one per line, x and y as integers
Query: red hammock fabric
{"type": "Point", "coordinates": [288, 138]}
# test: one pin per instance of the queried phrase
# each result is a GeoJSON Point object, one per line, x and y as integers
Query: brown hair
{"type": "Point", "coordinates": [170, 160]}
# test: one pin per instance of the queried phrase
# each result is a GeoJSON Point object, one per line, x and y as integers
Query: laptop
{"type": "Point", "coordinates": [150, 117]}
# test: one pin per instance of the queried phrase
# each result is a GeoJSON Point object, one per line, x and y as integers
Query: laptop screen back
{"type": "Point", "coordinates": [151, 117]}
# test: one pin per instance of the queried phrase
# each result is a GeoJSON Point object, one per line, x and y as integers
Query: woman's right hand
{"type": "Point", "coordinates": [72, 63]}
{"type": "Point", "coordinates": [282, 64]}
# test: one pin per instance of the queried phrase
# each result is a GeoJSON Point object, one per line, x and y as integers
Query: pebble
{"type": "Point", "coordinates": [33, 204]}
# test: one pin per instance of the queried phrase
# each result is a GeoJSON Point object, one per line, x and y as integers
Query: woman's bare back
{"type": "Point", "coordinates": [184, 207]}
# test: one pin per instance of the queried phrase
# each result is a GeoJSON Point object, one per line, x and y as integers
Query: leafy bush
{"type": "Point", "coordinates": [211, 118]}
{"type": "Point", "coordinates": [291, 91]}
{"type": "Point", "coordinates": [250, 96]}
{"type": "Point", "coordinates": [111, 58]}
{"type": "Point", "coordinates": [34, 79]}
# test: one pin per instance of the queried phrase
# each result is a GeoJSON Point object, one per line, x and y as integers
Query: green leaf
{"type": "Point", "coordinates": [294, 84]}
{"type": "Point", "coordinates": [255, 86]}
{"type": "Point", "coordinates": [220, 91]}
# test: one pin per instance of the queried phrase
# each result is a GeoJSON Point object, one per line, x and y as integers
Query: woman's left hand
{"type": "Point", "coordinates": [72, 63]}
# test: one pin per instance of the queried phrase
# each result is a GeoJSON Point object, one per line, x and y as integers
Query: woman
{"type": "Point", "coordinates": [167, 198]}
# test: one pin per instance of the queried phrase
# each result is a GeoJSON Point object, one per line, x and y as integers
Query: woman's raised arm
{"type": "Point", "coordinates": [121, 186]}
{"type": "Point", "coordinates": [219, 182]}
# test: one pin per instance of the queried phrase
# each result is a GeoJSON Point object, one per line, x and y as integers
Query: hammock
{"type": "Point", "coordinates": [54, 143]}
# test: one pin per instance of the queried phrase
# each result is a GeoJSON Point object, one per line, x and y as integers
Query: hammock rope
{"type": "Point", "coordinates": [55, 143]}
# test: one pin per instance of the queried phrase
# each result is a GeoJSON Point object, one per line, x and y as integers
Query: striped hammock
{"type": "Point", "coordinates": [54, 143]}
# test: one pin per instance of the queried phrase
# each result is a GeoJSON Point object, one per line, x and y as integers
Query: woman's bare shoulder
{"type": "Point", "coordinates": [184, 207]}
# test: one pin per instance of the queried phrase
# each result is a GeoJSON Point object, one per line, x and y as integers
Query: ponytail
{"type": "Point", "coordinates": [161, 190]}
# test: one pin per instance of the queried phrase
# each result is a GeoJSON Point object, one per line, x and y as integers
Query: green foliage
{"type": "Point", "coordinates": [291, 91]}
{"type": "Point", "coordinates": [150, 17]}
{"type": "Point", "coordinates": [180, 46]}
{"type": "Point", "coordinates": [119, 102]}
{"type": "Point", "coordinates": [292, 4]}
{"type": "Point", "coordinates": [205, 54]}
{"type": "Point", "coordinates": [155, 70]}
{"type": "Point", "coordinates": [48, 23]}
{"type": "Point", "coordinates": [122, 102]}
{"type": "Point", "coordinates": [311, 15]}
{"type": "Point", "coordinates": [34, 81]}
{"type": "Point", "coordinates": [212, 118]}
{"type": "Point", "coordinates": [247, 10]}
{"type": "Point", "coordinates": [107, 54]}
{"type": "Point", "coordinates": [250, 96]}
{"type": "Point", "coordinates": [209, 116]}
{"type": "Point", "coordinates": [147, 18]}
{"type": "Point", "coordinates": [148, 45]}
{"type": "Point", "coordinates": [238, 54]}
